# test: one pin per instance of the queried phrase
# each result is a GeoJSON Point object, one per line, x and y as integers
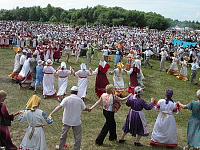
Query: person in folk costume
{"type": "Point", "coordinates": [62, 73]}
{"type": "Point", "coordinates": [181, 53]}
{"type": "Point", "coordinates": [183, 72]}
{"type": "Point", "coordinates": [133, 52]}
{"type": "Point", "coordinates": [67, 50]}
{"type": "Point", "coordinates": [117, 57]}
{"type": "Point", "coordinates": [48, 80]}
{"type": "Point", "coordinates": [133, 77]}
{"type": "Point", "coordinates": [24, 77]}
{"type": "Point", "coordinates": [82, 75]}
{"type": "Point", "coordinates": [193, 132]}
{"type": "Point", "coordinates": [118, 79]}
{"type": "Point", "coordinates": [22, 42]}
{"type": "Point", "coordinates": [33, 64]}
{"type": "Point", "coordinates": [164, 131]}
{"type": "Point", "coordinates": [23, 58]}
{"type": "Point", "coordinates": [129, 62]}
{"type": "Point", "coordinates": [39, 74]}
{"type": "Point", "coordinates": [5, 138]}
{"type": "Point", "coordinates": [36, 118]}
{"type": "Point", "coordinates": [17, 66]}
{"type": "Point", "coordinates": [95, 50]}
{"type": "Point", "coordinates": [135, 121]}
{"type": "Point", "coordinates": [7, 38]}
{"type": "Point", "coordinates": [101, 78]}
{"type": "Point", "coordinates": [138, 49]}
{"type": "Point", "coordinates": [49, 52]}
{"type": "Point", "coordinates": [140, 75]}
{"type": "Point", "coordinates": [37, 51]}
{"type": "Point", "coordinates": [56, 50]}
{"type": "Point", "coordinates": [34, 41]}
{"type": "Point", "coordinates": [77, 50]}
{"type": "Point", "coordinates": [73, 49]}
{"type": "Point", "coordinates": [173, 69]}
{"type": "Point", "coordinates": [2, 40]}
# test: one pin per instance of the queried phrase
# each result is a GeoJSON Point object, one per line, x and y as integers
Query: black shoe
{"type": "Point", "coordinates": [151, 67]}
{"type": "Point", "coordinates": [20, 85]}
{"type": "Point", "coordinates": [166, 70]}
{"type": "Point", "coordinates": [99, 144]}
{"type": "Point", "coordinates": [122, 141]}
{"type": "Point", "coordinates": [138, 144]}
{"type": "Point", "coordinates": [196, 83]}
{"type": "Point", "coordinates": [30, 87]}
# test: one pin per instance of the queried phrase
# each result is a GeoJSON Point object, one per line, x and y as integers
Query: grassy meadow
{"type": "Point", "coordinates": [155, 82]}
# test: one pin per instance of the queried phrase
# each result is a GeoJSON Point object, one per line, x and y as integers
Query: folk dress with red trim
{"type": "Point", "coordinates": [164, 131]}
{"type": "Point", "coordinates": [133, 80]}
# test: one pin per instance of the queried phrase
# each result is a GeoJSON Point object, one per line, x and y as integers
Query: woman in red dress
{"type": "Point", "coordinates": [5, 138]}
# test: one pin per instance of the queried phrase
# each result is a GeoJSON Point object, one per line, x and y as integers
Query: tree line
{"type": "Point", "coordinates": [98, 15]}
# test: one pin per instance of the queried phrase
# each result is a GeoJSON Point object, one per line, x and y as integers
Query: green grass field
{"type": "Point", "coordinates": [155, 85]}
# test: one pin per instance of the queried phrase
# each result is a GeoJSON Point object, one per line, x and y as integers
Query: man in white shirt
{"type": "Point", "coordinates": [148, 54]}
{"type": "Point", "coordinates": [67, 51]}
{"type": "Point", "coordinates": [73, 106]}
{"type": "Point", "coordinates": [106, 53]}
{"type": "Point", "coordinates": [164, 55]}
{"type": "Point", "coordinates": [194, 68]}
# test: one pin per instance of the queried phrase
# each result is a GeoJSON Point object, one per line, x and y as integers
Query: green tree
{"type": "Point", "coordinates": [49, 11]}
{"type": "Point", "coordinates": [33, 16]}
{"type": "Point", "coordinates": [53, 19]}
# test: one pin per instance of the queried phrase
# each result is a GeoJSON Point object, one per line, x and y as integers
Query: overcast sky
{"type": "Point", "coordinates": [174, 9]}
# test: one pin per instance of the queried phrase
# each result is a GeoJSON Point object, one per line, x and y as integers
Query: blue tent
{"type": "Point", "coordinates": [185, 44]}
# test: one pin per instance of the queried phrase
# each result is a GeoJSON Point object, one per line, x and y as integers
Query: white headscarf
{"type": "Point", "coordinates": [102, 63]}
{"type": "Point", "coordinates": [83, 66]}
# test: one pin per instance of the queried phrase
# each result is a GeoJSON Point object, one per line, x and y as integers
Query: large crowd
{"type": "Point", "coordinates": [37, 46]}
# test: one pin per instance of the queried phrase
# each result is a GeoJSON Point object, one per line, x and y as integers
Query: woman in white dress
{"type": "Point", "coordinates": [48, 80]}
{"type": "Point", "coordinates": [17, 66]}
{"type": "Point", "coordinates": [173, 69]}
{"type": "Point", "coordinates": [24, 75]}
{"type": "Point", "coordinates": [62, 80]}
{"type": "Point", "coordinates": [183, 72]}
{"type": "Point", "coordinates": [118, 79]}
{"type": "Point", "coordinates": [82, 80]}
{"type": "Point", "coordinates": [34, 138]}
{"type": "Point", "coordinates": [164, 131]}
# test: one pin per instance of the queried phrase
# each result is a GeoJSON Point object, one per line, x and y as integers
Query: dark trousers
{"type": "Point", "coordinates": [109, 126]}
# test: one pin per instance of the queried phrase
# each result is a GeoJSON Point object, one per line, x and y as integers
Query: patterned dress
{"type": "Point", "coordinates": [183, 72]}
{"type": "Point", "coordinates": [173, 67]}
{"type": "Point", "coordinates": [193, 131]}
{"type": "Point", "coordinates": [118, 81]}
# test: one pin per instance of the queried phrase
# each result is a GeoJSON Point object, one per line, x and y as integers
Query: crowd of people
{"type": "Point", "coordinates": [37, 46]}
